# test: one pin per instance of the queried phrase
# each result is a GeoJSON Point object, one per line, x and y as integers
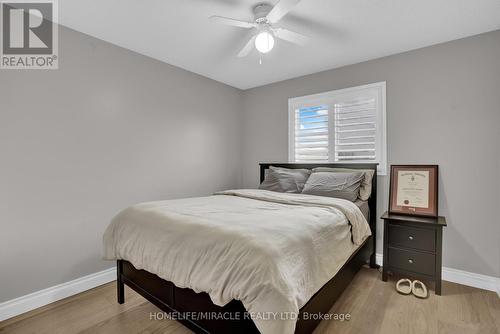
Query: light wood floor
{"type": "Point", "coordinates": [374, 307]}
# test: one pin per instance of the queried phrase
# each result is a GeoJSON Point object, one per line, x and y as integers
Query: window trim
{"type": "Point", "coordinates": [325, 97]}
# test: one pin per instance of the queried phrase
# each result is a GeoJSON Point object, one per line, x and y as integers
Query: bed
{"type": "Point", "coordinates": [258, 272]}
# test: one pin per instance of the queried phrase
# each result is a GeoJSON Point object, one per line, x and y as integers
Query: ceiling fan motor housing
{"type": "Point", "coordinates": [264, 34]}
{"type": "Point", "coordinates": [261, 11]}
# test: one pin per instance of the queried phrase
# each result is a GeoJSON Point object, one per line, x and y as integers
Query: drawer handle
{"type": "Point", "coordinates": [410, 237]}
{"type": "Point", "coordinates": [410, 261]}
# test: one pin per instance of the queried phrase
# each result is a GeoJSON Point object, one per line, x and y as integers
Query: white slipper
{"type": "Point", "coordinates": [419, 289]}
{"type": "Point", "coordinates": [404, 286]}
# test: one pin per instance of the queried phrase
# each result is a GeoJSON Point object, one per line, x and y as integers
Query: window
{"type": "Point", "coordinates": [346, 125]}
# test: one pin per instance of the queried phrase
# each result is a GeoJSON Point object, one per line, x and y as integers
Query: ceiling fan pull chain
{"type": "Point", "coordinates": [260, 58]}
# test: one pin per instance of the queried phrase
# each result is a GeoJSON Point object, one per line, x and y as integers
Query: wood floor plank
{"type": "Point", "coordinates": [348, 303]}
{"type": "Point", "coordinates": [374, 307]}
{"type": "Point", "coordinates": [464, 310]}
{"type": "Point", "coordinates": [136, 320]}
{"type": "Point", "coordinates": [75, 314]}
{"type": "Point", "coordinates": [493, 302]}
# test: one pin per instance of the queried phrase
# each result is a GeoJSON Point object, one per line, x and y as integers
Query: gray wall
{"type": "Point", "coordinates": [443, 107]}
{"type": "Point", "coordinates": [111, 128]}
{"type": "Point", "coordinates": [108, 129]}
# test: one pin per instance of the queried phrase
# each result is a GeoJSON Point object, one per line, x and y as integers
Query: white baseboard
{"type": "Point", "coordinates": [471, 279]}
{"type": "Point", "coordinates": [34, 300]}
{"type": "Point", "coordinates": [464, 277]}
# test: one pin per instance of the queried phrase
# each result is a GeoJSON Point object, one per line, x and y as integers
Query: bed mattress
{"type": "Point", "coordinates": [269, 250]}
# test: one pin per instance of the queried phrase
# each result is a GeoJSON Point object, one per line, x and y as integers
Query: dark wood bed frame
{"type": "Point", "coordinates": [180, 303]}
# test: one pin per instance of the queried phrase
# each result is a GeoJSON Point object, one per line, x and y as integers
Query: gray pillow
{"type": "Point", "coordinates": [366, 185]}
{"type": "Point", "coordinates": [285, 180]}
{"type": "Point", "coordinates": [340, 185]}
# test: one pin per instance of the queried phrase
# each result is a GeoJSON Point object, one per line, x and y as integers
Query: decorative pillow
{"type": "Point", "coordinates": [285, 180]}
{"type": "Point", "coordinates": [366, 185]}
{"type": "Point", "coordinates": [340, 185]}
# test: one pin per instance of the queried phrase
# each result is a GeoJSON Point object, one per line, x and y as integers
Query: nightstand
{"type": "Point", "coordinates": [413, 247]}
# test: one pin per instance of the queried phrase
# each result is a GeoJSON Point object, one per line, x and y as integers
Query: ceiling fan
{"type": "Point", "coordinates": [266, 16]}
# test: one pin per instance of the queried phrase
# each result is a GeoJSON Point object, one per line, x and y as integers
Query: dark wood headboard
{"type": "Point", "coordinates": [372, 201]}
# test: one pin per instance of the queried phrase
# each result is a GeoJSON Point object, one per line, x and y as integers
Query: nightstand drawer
{"type": "Point", "coordinates": [407, 236]}
{"type": "Point", "coordinates": [414, 261]}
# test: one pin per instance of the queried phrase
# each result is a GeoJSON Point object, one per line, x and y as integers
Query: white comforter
{"type": "Point", "coordinates": [270, 250]}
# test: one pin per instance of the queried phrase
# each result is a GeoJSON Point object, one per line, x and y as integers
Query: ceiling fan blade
{"type": "Point", "coordinates": [231, 22]}
{"type": "Point", "coordinates": [281, 9]}
{"type": "Point", "coordinates": [291, 36]}
{"type": "Point", "coordinates": [247, 48]}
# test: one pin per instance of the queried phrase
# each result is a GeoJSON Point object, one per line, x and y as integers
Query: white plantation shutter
{"type": "Point", "coordinates": [347, 125]}
{"type": "Point", "coordinates": [355, 130]}
{"type": "Point", "coordinates": [311, 134]}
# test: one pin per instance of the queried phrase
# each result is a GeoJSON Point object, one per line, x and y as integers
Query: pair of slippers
{"type": "Point", "coordinates": [405, 286]}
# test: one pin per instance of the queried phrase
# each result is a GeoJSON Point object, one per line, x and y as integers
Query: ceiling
{"type": "Point", "coordinates": [342, 32]}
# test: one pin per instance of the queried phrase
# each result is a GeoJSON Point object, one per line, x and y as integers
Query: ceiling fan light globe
{"type": "Point", "coordinates": [264, 42]}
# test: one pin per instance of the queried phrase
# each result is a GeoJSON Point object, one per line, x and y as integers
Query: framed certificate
{"type": "Point", "coordinates": [414, 190]}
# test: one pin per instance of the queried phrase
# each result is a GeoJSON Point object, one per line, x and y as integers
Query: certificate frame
{"type": "Point", "coordinates": [414, 196]}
